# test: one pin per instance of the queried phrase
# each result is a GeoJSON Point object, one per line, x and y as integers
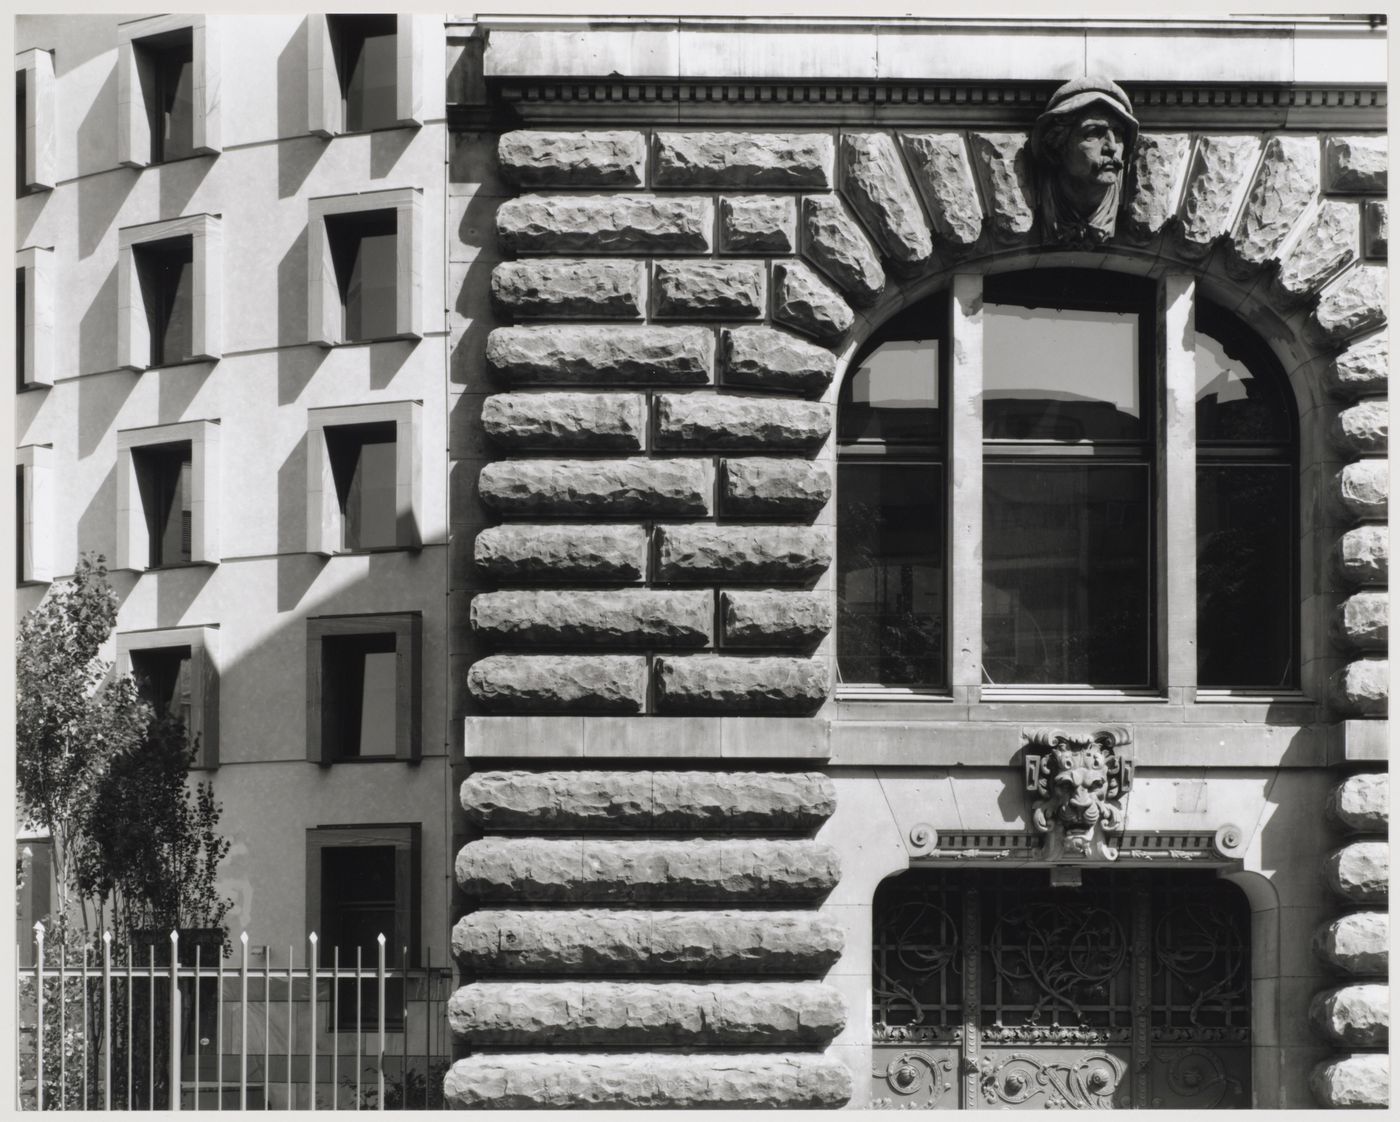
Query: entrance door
{"type": "Point", "coordinates": [993, 990]}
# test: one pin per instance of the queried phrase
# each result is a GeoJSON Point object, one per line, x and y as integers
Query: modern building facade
{"type": "Point", "coordinates": [864, 542]}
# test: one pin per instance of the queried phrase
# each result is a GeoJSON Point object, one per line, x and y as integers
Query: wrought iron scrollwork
{"type": "Point", "coordinates": [1058, 957]}
{"type": "Point", "coordinates": [919, 1078]}
{"type": "Point", "coordinates": [1198, 1077]}
{"type": "Point", "coordinates": [1084, 1082]}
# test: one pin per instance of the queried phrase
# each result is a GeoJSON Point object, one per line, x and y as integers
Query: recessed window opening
{"type": "Point", "coordinates": [365, 255]}
{"type": "Point", "coordinates": [165, 270]}
{"type": "Point", "coordinates": [364, 466]}
{"type": "Point", "coordinates": [21, 135]}
{"type": "Point", "coordinates": [20, 514]}
{"type": "Point", "coordinates": [21, 328]}
{"type": "Point", "coordinates": [359, 699]}
{"type": "Point", "coordinates": [366, 60]}
{"type": "Point", "coordinates": [166, 66]}
{"type": "Point", "coordinates": [164, 476]}
{"type": "Point", "coordinates": [162, 677]}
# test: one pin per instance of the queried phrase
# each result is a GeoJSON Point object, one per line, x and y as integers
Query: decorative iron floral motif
{"type": "Point", "coordinates": [1078, 782]}
{"type": "Point", "coordinates": [1085, 1082]}
{"type": "Point", "coordinates": [918, 1078]}
{"type": "Point", "coordinates": [1058, 958]}
{"type": "Point", "coordinates": [1193, 1074]}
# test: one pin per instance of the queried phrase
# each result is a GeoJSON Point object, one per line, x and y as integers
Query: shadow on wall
{"type": "Point", "coordinates": [176, 592]}
{"type": "Point", "coordinates": [385, 148]}
{"type": "Point", "coordinates": [97, 338]}
{"type": "Point", "coordinates": [104, 187]}
{"type": "Point", "coordinates": [178, 183]}
{"type": "Point", "coordinates": [294, 161]}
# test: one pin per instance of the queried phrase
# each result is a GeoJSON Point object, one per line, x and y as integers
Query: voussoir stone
{"type": "Point", "coordinates": [523, 552]}
{"type": "Point", "coordinates": [595, 870]}
{"type": "Point", "coordinates": [742, 159]}
{"type": "Point", "coordinates": [1358, 943]}
{"type": "Point", "coordinates": [1361, 802]}
{"type": "Point", "coordinates": [1355, 1015]}
{"type": "Point", "coordinates": [639, 487]}
{"type": "Point", "coordinates": [1363, 428]}
{"type": "Point", "coordinates": [694, 801]}
{"type": "Point", "coordinates": [571, 288]}
{"type": "Point", "coordinates": [1362, 621]}
{"type": "Point", "coordinates": [704, 551]}
{"type": "Point", "coordinates": [559, 683]}
{"type": "Point", "coordinates": [1362, 368]}
{"type": "Point", "coordinates": [555, 1014]}
{"type": "Point", "coordinates": [1217, 179]}
{"type": "Point", "coordinates": [725, 685]}
{"type": "Point", "coordinates": [591, 941]}
{"type": "Point", "coordinates": [758, 224]}
{"type": "Point", "coordinates": [806, 303]}
{"type": "Point", "coordinates": [1325, 246]}
{"type": "Point", "coordinates": [834, 242]}
{"type": "Point", "coordinates": [1004, 160]}
{"type": "Point", "coordinates": [711, 289]}
{"type": "Point", "coordinates": [1362, 687]}
{"type": "Point", "coordinates": [530, 158]}
{"type": "Point", "coordinates": [1363, 555]}
{"type": "Point", "coordinates": [1362, 489]}
{"type": "Point", "coordinates": [943, 177]}
{"type": "Point", "coordinates": [703, 420]}
{"type": "Point", "coordinates": [1352, 1082]}
{"type": "Point", "coordinates": [1159, 163]}
{"type": "Point", "coordinates": [566, 421]}
{"type": "Point", "coordinates": [877, 187]}
{"type": "Point", "coordinates": [574, 353]}
{"type": "Point", "coordinates": [1287, 181]}
{"type": "Point", "coordinates": [1357, 164]}
{"type": "Point", "coordinates": [1352, 304]}
{"type": "Point", "coordinates": [1360, 871]}
{"type": "Point", "coordinates": [629, 617]}
{"type": "Point", "coordinates": [605, 224]}
{"type": "Point", "coordinates": [775, 360]}
{"type": "Point", "coordinates": [773, 487]}
{"type": "Point", "coordinates": [557, 1081]}
{"type": "Point", "coordinates": [772, 619]}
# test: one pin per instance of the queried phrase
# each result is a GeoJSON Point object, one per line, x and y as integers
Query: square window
{"type": "Point", "coordinates": [363, 687]}
{"type": "Point", "coordinates": [369, 71]}
{"type": "Point", "coordinates": [169, 295]}
{"type": "Point", "coordinates": [165, 64]}
{"type": "Point", "coordinates": [176, 673]}
{"type": "Point", "coordinates": [365, 48]}
{"type": "Point", "coordinates": [168, 74]}
{"type": "Point", "coordinates": [162, 677]}
{"type": "Point", "coordinates": [34, 122]}
{"type": "Point", "coordinates": [167, 495]}
{"type": "Point", "coordinates": [34, 315]}
{"type": "Point", "coordinates": [363, 247]}
{"type": "Point", "coordinates": [363, 280]}
{"type": "Point", "coordinates": [164, 475]}
{"type": "Point", "coordinates": [364, 479]}
{"type": "Point", "coordinates": [166, 273]}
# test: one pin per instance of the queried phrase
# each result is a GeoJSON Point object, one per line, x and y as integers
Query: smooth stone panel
{"type": "Point", "coordinates": [742, 553]}
{"type": "Point", "coordinates": [618, 488]}
{"type": "Point", "coordinates": [1362, 621]}
{"type": "Point", "coordinates": [724, 685]}
{"type": "Point", "coordinates": [1362, 687]}
{"type": "Point", "coordinates": [594, 870]}
{"type": "Point", "coordinates": [562, 552]}
{"type": "Point", "coordinates": [876, 185]}
{"type": "Point", "coordinates": [594, 422]}
{"type": "Point", "coordinates": [772, 619]}
{"type": "Point", "coordinates": [605, 224]}
{"type": "Point", "coordinates": [1361, 490]}
{"type": "Point", "coordinates": [578, 354]}
{"type": "Point", "coordinates": [1353, 1082]}
{"type": "Point", "coordinates": [943, 176]}
{"type": "Point", "coordinates": [559, 683]}
{"type": "Point", "coordinates": [1327, 245]}
{"type": "Point", "coordinates": [742, 159]}
{"type": "Point", "coordinates": [701, 420]}
{"type": "Point", "coordinates": [833, 241]}
{"type": "Point", "coordinates": [630, 617]}
{"type": "Point", "coordinates": [1286, 182]}
{"type": "Point", "coordinates": [806, 303]}
{"type": "Point", "coordinates": [1352, 304]}
{"type": "Point", "coordinates": [1364, 428]}
{"type": "Point", "coordinates": [570, 288]}
{"type": "Point", "coordinates": [654, 1081]}
{"type": "Point", "coordinates": [1004, 162]}
{"type": "Point", "coordinates": [1360, 872]}
{"type": "Point", "coordinates": [1357, 164]}
{"type": "Point", "coordinates": [1362, 368]}
{"type": "Point", "coordinates": [770, 487]}
{"type": "Point", "coordinates": [1362, 555]}
{"type": "Point", "coordinates": [775, 360]}
{"type": "Point", "coordinates": [530, 158]}
{"type": "Point", "coordinates": [1358, 943]}
{"type": "Point", "coordinates": [1355, 1015]}
{"type": "Point", "coordinates": [711, 289]}
{"type": "Point", "coordinates": [758, 224]}
{"type": "Point", "coordinates": [1221, 168]}
{"type": "Point", "coordinates": [588, 941]}
{"type": "Point", "coordinates": [1361, 802]}
{"type": "Point", "coordinates": [1158, 167]}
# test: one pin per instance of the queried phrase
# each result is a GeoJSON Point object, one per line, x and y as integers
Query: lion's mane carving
{"type": "Point", "coordinates": [1078, 782]}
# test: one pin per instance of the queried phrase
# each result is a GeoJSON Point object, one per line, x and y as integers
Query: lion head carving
{"type": "Point", "coordinates": [1078, 783]}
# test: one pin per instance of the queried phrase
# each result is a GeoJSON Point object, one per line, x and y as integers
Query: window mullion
{"type": "Point", "coordinates": [965, 489]}
{"type": "Point", "coordinates": [1176, 486]}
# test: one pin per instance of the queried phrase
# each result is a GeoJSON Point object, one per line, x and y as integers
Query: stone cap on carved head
{"type": "Point", "coordinates": [1077, 93]}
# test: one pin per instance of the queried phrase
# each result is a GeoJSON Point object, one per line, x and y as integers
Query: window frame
{"type": "Point", "coordinates": [34, 332]}
{"type": "Point", "coordinates": [325, 108]}
{"type": "Point", "coordinates": [34, 467]}
{"type": "Point", "coordinates": [407, 629]}
{"type": "Point", "coordinates": [324, 519]}
{"type": "Point", "coordinates": [133, 536]}
{"type": "Point", "coordinates": [35, 69]}
{"type": "Point", "coordinates": [135, 144]}
{"type": "Point", "coordinates": [134, 344]}
{"type": "Point", "coordinates": [203, 644]}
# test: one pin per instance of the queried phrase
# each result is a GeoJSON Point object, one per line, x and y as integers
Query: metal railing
{"type": "Point", "coordinates": [172, 1027]}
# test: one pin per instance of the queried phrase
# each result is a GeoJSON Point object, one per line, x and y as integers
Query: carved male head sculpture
{"type": "Point", "coordinates": [1081, 144]}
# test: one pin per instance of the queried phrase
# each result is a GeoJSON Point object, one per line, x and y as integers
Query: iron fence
{"type": "Point", "coordinates": [166, 1027]}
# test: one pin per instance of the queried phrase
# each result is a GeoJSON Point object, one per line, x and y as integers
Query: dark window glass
{"type": "Point", "coordinates": [359, 902]}
{"type": "Point", "coordinates": [19, 522]}
{"type": "Point", "coordinates": [166, 65]}
{"type": "Point", "coordinates": [366, 61]}
{"type": "Point", "coordinates": [359, 696]}
{"type": "Point", "coordinates": [363, 463]}
{"type": "Point", "coordinates": [164, 478]}
{"type": "Point", "coordinates": [21, 328]}
{"type": "Point", "coordinates": [166, 273]}
{"type": "Point", "coordinates": [163, 680]}
{"type": "Point", "coordinates": [364, 249]}
{"type": "Point", "coordinates": [21, 134]}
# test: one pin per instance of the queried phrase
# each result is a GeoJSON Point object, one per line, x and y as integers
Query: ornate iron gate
{"type": "Point", "coordinates": [993, 990]}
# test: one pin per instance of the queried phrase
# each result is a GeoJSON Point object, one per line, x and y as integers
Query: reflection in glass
{"type": "Point", "coordinates": [364, 466]}
{"type": "Point", "coordinates": [893, 394]}
{"type": "Point", "coordinates": [1066, 595]}
{"type": "Point", "coordinates": [359, 694]}
{"type": "Point", "coordinates": [1232, 404]}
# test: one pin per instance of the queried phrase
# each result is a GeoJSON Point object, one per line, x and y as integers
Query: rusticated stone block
{"type": "Point", "coordinates": [769, 487]}
{"type": "Point", "coordinates": [1362, 621]}
{"type": "Point", "coordinates": [1004, 160]}
{"type": "Point", "coordinates": [1361, 490]}
{"type": "Point", "coordinates": [580, 354]}
{"type": "Point", "coordinates": [758, 224]}
{"type": "Point", "coordinates": [1325, 246]}
{"type": "Point", "coordinates": [605, 224]}
{"type": "Point", "coordinates": [1362, 368]}
{"type": "Point", "coordinates": [806, 303]}
{"type": "Point", "coordinates": [835, 244]}
{"type": "Point", "coordinates": [943, 176]}
{"type": "Point", "coordinates": [1352, 304]}
{"type": "Point", "coordinates": [559, 683]}
{"type": "Point", "coordinates": [694, 801]}
{"type": "Point", "coordinates": [1356, 1081]}
{"type": "Point", "coordinates": [1357, 164]}
{"type": "Point", "coordinates": [572, 159]}
{"type": "Point", "coordinates": [557, 1081]}
{"type": "Point", "coordinates": [742, 159]}
{"type": "Point", "coordinates": [571, 288]}
{"type": "Point", "coordinates": [742, 553]}
{"type": "Point", "coordinates": [1158, 165]}
{"type": "Point", "coordinates": [703, 420]}
{"type": "Point", "coordinates": [594, 870]}
{"type": "Point", "coordinates": [1361, 802]}
{"type": "Point", "coordinates": [1363, 428]}
{"type": "Point", "coordinates": [561, 1014]}
{"type": "Point", "coordinates": [1362, 687]}
{"type": "Point", "coordinates": [630, 617]}
{"type": "Point", "coordinates": [1286, 182]}
{"type": "Point", "coordinates": [772, 619]}
{"type": "Point", "coordinates": [566, 421]}
{"type": "Point", "coordinates": [1358, 943]}
{"type": "Point", "coordinates": [1218, 176]}
{"type": "Point", "coordinates": [1375, 230]}
{"type": "Point", "coordinates": [711, 289]}
{"type": "Point", "coordinates": [724, 685]}
{"type": "Point", "coordinates": [617, 488]}
{"type": "Point", "coordinates": [878, 189]}
{"type": "Point", "coordinates": [775, 360]}
{"type": "Point", "coordinates": [555, 552]}
{"type": "Point", "coordinates": [1363, 555]}
{"type": "Point", "coordinates": [1360, 872]}
{"type": "Point", "coordinates": [647, 942]}
{"type": "Point", "coordinates": [1355, 1015]}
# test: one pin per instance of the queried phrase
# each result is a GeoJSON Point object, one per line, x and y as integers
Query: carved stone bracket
{"type": "Point", "coordinates": [1077, 783]}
